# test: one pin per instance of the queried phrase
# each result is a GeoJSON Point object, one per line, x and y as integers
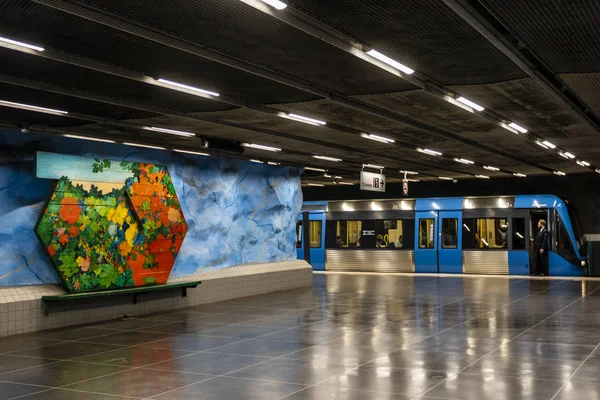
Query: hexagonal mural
{"type": "Point", "coordinates": [109, 235]}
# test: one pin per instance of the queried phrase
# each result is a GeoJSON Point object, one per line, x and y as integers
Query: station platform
{"type": "Point", "coordinates": [349, 336]}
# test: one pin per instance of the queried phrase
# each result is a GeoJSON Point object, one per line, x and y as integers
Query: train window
{"type": "Point", "coordinates": [299, 234]}
{"type": "Point", "coordinates": [518, 229]}
{"type": "Point", "coordinates": [449, 233]}
{"type": "Point", "coordinates": [468, 236]}
{"type": "Point", "coordinates": [564, 247]}
{"type": "Point", "coordinates": [490, 233]}
{"type": "Point", "coordinates": [315, 228]}
{"type": "Point", "coordinates": [348, 233]}
{"type": "Point", "coordinates": [426, 233]}
{"type": "Point", "coordinates": [389, 233]}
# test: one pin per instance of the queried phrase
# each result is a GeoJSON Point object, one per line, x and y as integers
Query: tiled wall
{"type": "Point", "coordinates": [21, 309]}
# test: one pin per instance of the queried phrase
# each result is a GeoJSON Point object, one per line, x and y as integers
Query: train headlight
{"type": "Point", "coordinates": [583, 263]}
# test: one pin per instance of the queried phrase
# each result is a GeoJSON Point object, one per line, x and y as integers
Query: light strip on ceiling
{"type": "Point", "coordinates": [445, 178]}
{"type": "Point", "coordinates": [583, 163]}
{"type": "Point", "coordinates": [548, 144]}
{"type": "Point", "coordinates": [518, 127]}
{"type": "Point", "coordinates": [377, 138]}
{"type": "Point", "coordinates": [256, 161]}
{"type": "Point", "coordinates": [541, 144]}
{"type": "Point", "coordinates": [169, 131]}
{"type": "Point", "coordinates": [275, 4]}
{"type": "Point", "coordinates": [482, 176]}
{"type": "Point", "coordinates": [29, 107]}
{"type": "Point", "coordinates": [17, 43]}
{"type": "Point", "coordinates": [315, 184]}
{"type": "Point", "coordinates": [464, 161]}
{"type": "Point", "coordinates": [326, 175]}
{"type": "Point", "coordinates": [306, 120]}
{"type": "Point", "coordinates": [273, 163]}
{"type": "Point", "coordinates": [560, 173]}
{"type": "Point", "coordinates": [390, 62]}
{"type": "Point", "coordinates": [144, 145]}
{"type": "Point", "coordinates": [187, 87]}
{"type": "Point", "coordinates": [325, 158]}
{"type": "Point", "coordinates": [373, 166]}
{"type": "Point", "coordinates": [490, 168]}
{"type": "Point", "coordinates": [430, 152]}
{"type": "Point", "coordinates": [346, 183]}
{"type": "Point", "coordinates": [520, 175]}
{"type": "Point", "coordinates": [315, 169]}
{"type": "Point", "coordinates": [192, 152]}
{"type": "Point", "coordinates": [261, 147]}
{"type": "Point", "coordinates": [470, 103]}
{"type": "Point", "coordinates": [566, 154]}
{"type": "Point", "coordinates": [89, 138]}
{"type": "Point", "coordinates": [598, 170]}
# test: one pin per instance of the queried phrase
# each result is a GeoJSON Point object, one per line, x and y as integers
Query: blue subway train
{"type": "Point", "coordinates": [462, 235]}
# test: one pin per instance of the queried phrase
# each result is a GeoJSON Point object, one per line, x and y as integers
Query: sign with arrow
{"type": "Point", "coordinates": [372, 182]}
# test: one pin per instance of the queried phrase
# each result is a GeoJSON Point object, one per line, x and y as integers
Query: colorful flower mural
{"type": "Point", "coordinates": [127, 237]}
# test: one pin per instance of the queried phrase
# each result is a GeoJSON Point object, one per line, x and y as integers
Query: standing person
{"type": "Point", "coordinates": [540, 248]}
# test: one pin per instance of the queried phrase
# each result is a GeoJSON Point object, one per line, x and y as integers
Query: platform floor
{"type": "Point", "coordinates": [348, 337]}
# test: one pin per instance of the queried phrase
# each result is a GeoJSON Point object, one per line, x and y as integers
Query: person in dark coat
{"type": "Point", "coordinates": [541, 248]}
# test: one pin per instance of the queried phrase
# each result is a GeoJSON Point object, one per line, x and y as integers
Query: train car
{"type": "Point", "coordinates": [468, 235]}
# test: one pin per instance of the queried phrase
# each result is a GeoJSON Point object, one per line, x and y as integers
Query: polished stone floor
{"type": "Point", "coordinates": [348, 337]}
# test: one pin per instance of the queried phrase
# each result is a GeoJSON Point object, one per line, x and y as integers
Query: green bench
{"type": "Point", "coordinates": [136, 291]}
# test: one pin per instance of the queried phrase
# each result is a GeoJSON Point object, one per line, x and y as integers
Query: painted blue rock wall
{"type": "Point", "coordinates": [237, 212]}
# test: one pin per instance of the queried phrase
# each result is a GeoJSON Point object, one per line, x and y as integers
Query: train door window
{"type": "Point", "coordinates": [315, 233]}
{"type": "Point", "coordinates": [468, 236]}
{"type": "Point", "coordinates": [348, 233]}
{"type": "Point", "coordinates": [564, 247]}
{"type": "Point", "coordinates": [449, 233]}
{"type": "Point", "coordinates": [299, 234]}
{"type": "Point", "coordinates": [491, 233]}
{"type": "Point", "coordinates": [389, 233]}
{"type": "Point", "coordinates": [426, 233]}
{"type": "Point", "coordinates": [518, 229]}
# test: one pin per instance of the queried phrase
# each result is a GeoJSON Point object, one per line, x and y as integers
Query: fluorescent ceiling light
{"type": "Point", "coordinates": [445, 178]}
{"type": "Point", "coordinates": [256, 161]}
{"type": "Point", "coordinates": [430, 152]}
{"type": "Point", "coordinates": [315, 169]}
{"type": "Point", "coordinates": [490, 168]}
{"type": "Point", "coordinates": [377, 138]}
{"type": "Point", "coordinates": [346, 183]}
{"type": "Point", "coordinates": [261, 147]}
{"type": "Point", "coordinates": [566, 154]}
{"type": "Point", "coordinates": [520, 175]}
{"type": "Point", "coordinates": [598, 170]}
{"type": "Point", "coordinates": [338, 177]}
{"type": "Point", "coordinates": [315, 184]}
{"type": "Point", "coordinates": [559, 173]}
{"type": "Point", "coordinates": [328, 158]}
{"type": "Point", "coordinates": [482, 176]}
{"type": "Point", "coordinates": [466, 227]}
{"type": "Point", "coordinates": [373, 166]}
{"type": "Point", "coordinates": [17, 43]}
{"type": "Point", "coordinates": [187, 87]}
{"type": "Point", "coordinates": [275, 4]}
{"type": "Point", "coordinates": [326, 176]}
{"type": "Point", "coordinates": [306, 120]}
{"type": "Point", "coordinates": [517, 127]}
{"type": "Point", "coordinates": [470, 103]}
{"type": "Point", "coordinates": [390, 62]}
{"type": "Point", "coordinates": [409, 172]}
{"type": "Point", "coordinates": [144, 145]}
{"type": "Point", "coordinates": [170, 131]}
{"type": "Point", "coordinates": [29, 107]}
{"type": "Point", "coordinates": [89, 138]}
{"type": "Point", "coordinates": [583, 163]}
{"type": "Point", "coordinates": [413, 180]}
{"type": "Point", "coordinates": [548, 144]}
{"type": "Point", "coordinates": [463, 161]}
{"type": "Point", "coordinates": [541, 144]}
{"type": "Point", "coordinates": [273, 163]}
{"type": "Point", "coordinates": [519, 235]}
{"type": "Point", "coordinates": [192, 152]}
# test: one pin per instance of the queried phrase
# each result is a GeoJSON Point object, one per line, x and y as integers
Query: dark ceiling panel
{"type": "Point", "coordinates": [564, 34]}
{"type": "Point", "coordinates": [587, 88]}
{"type": "Point", "coordinates": [237, 29]}
{"type": "Point", "coordinates": [39, 69]}
{"type": "Point", "coordinates": [422, 34]}
{"type": "Point", "coordinates": [19, 117]}
{"type": "Point", "coordinates": [30, 22]}
{"type": "Point", "coordinates": [530, 106]}
{"type": "Point", "coordinates": [70, 104]}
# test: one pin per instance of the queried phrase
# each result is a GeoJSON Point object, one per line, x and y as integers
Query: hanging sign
{"type": "Point", "coordinates": [405, 188]}
{"type": "Point", "coordinates": [372, 182]}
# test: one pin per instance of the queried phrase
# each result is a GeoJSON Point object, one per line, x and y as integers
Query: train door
{"type": "Point", "coordinates": [534, 216]}
{"type": "Point", "coordinates": [316, 239]}
{"type": "Point", "coordinates": [449, 245]}
{"type": "Point", "coordinates": [426, 256]}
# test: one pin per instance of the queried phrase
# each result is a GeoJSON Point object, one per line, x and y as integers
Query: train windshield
{"type": "Point", "coordinates": [579, 236]}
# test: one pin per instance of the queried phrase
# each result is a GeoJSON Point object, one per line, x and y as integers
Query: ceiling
{"type": "Point", "coordinates": [533, 63]}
